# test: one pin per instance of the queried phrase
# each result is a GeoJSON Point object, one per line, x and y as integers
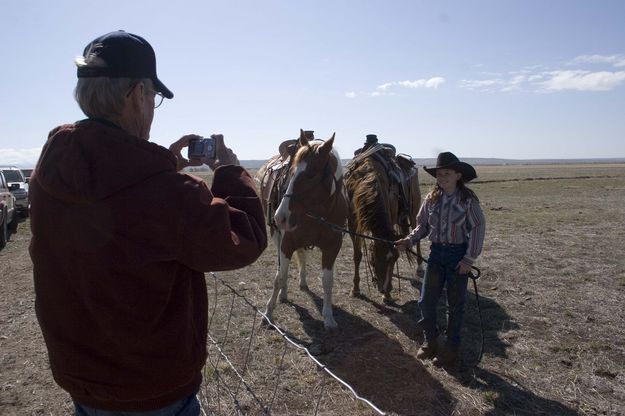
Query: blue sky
{"type": "Point", "coordinates": [507, 79]}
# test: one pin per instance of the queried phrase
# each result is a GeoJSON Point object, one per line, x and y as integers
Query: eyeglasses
{"type": "Point", "coordinates": [158, 96]}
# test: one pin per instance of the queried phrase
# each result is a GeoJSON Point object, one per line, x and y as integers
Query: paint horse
{"type": "Point", "coordinates": [385, 198]}
{"type": "Point", "coordinates": [309, 189]}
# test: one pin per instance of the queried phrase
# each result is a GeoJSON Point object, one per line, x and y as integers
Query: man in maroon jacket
{"type": "Point", "coordinates": [121, 240]}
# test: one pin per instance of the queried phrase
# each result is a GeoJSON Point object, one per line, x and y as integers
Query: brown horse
{"type": "Point", "coordinates": [310, 190]}
{"type": "Point", "coordinates": [382, 207]}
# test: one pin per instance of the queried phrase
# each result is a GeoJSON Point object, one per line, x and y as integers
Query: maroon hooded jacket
{"type": "Point", "coordinates": [120, 242]}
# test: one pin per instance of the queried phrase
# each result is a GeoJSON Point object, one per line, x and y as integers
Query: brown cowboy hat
{"type": "Point", "coordinates": [448, 160]}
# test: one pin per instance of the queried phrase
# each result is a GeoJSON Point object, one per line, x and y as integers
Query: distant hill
{"type": "Point", "coordinates": [477, 161]}
{"type": "Point", "coordinates": [255, 164]}
{"type": "Point", "coordinates": [493, 161]}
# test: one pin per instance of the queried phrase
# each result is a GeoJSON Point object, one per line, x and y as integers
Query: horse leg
{"type": "Point", "coordinates": [420, 271]}
{"type": "Point", "coordinates": [283, 261]}
{"type": "Point", "coordinates": [387, 286]}
{"type": "Point", "coordinates": [357, 256]}
{"type": "Point", "coordinates": [328, 282]}
{"type": "Point", "coordinates": [300, 256]}
{"type": "Point", "coordinates": [327, 264]}
{"type": "Point", "coordinates": [284, 278]}
{"type": "Point", "coordinates": [279, 285]}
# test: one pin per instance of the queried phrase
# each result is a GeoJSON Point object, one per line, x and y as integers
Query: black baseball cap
{"type": "Point", "coordinates": [126, 56]}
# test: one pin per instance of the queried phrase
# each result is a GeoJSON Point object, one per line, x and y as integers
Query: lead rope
{"type": "Point", "coordinates": [471, 275]}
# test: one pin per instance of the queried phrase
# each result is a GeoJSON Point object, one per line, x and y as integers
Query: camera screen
{"type": "Point", "coordinates": [196, 147]}
{"type": "Point", "coordinates": [200, 148]}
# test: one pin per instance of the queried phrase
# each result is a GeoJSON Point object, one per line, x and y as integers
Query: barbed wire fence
{"type": "Point", "coordinates": [253, 371]}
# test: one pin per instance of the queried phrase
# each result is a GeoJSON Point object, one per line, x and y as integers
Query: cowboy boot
{"type": "Point", "coordinates": [427, 350]}
{"type": "Point", "coordinates": [446, 356]}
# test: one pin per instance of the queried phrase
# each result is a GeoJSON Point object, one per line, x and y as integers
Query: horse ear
{"type": "Point", "coordinates": [303, 141]}
{"type": "Point", "coordinates": [327, 145]}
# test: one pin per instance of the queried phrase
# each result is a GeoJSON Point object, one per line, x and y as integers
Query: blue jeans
{"type": "Point", "coordinates": [441, 272]}
{"type": "Point", "coordinates": [189, 406]}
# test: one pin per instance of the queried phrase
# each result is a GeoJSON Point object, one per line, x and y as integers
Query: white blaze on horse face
{"type": "Point", "coordinates": [283, 213]}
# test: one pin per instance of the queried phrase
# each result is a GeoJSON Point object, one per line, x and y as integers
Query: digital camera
{"type": "Point", "coordinates": [203, 148]}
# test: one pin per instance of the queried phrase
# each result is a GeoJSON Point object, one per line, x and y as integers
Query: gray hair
{"type": "Point", "coordinates": [102, 97]}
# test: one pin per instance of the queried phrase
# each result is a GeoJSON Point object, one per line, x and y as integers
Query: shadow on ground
{"type": "Point", "coordinates": [379, 369]}
{"type": "Point", "coordinates": [376, 366]}
{"type": "Point", "coordinates": [506, 396]}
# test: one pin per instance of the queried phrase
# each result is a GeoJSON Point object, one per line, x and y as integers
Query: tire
{"type": "Point", "coordinates": [12, 226]}
{"type": "Point", "coordinates": [23, 212]}
{"type": "Point", "coordinates": [4, 232]}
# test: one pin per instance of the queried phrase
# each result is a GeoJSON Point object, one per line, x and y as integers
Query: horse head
{"type": "Point", "coordinates": [314, 180]}
{"type": "Point", "coordinates": [383, 257]}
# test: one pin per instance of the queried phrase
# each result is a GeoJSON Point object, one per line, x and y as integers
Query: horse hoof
{"type": "Point", "coordinates": [356, 293]}
{"type": "Point", "coordinates": [330, 324]}
{"type": "Point", "coordinates": [282, 296]}
{"type": "Point", "coordinates": [320, 349]}
{"type": "Point", "coordinates": [387, 300]}
{"type": "Point", "coordinates": [266, 323]}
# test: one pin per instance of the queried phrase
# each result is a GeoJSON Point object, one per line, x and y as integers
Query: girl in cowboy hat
{"type": "Point", "coordinates": [453, 220]}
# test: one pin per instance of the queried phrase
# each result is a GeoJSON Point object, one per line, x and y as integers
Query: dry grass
{"type": "Point", "coordinates": [553, 280]}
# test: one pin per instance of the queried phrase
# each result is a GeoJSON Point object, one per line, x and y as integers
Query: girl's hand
{"type": "Point", "coordinates": [463, 268]}
{"type": "Point", "coordinates": [403, 244]}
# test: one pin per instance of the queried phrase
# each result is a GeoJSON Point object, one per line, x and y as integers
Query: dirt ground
{"type": "Point", "coordinates": [551, 297]}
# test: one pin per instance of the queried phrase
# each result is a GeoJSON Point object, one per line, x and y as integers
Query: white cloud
{"type": "Point", "coordinates": [616, 60]}
{"type": "Point", "coordinates": [535, 78]}
{"type": "Point", "coordinates": [484, 84]}
{"type": "Point", "coordinates": [384, 89]}
{"type": "Point", "coordinates": [515, 83]}
{"type": "Point", "coordinates": [539, 79]}
{"type": "Point", "coordinates": [379, 93]}
{"type": "Point", "coordinates": [581, 80]}
{"type": "Point", "coordinates": [350, 94]}
{"type": "Point", "coordinates": [433, 82]}
{"type": "Point", "coordinates": [385, 86]}
{"type": "Point", "coordinates": [25, 158]}
{"type": "Point", "coordinates": [420, 83]}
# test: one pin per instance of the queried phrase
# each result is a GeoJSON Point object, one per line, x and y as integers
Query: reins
{"type": "Point", "coordinates": [472, 276]}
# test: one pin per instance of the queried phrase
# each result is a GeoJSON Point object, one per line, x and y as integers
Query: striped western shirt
{"type": "Point", "coordinates": [452, 221]}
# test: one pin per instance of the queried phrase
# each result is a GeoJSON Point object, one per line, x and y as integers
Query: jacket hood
{"type": "Point", "coordinates": [76, 157]}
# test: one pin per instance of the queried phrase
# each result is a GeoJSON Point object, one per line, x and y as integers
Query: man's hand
{"type": "Point", "coordinates": [176, 149]}
{"type": "Point", "coordinates": [224, 155]}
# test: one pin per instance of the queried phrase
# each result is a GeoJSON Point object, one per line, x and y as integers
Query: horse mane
{"type": "Point", "coordinates": [371, 199]}
{"type": "Point", "coordinates": [304, 151]}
